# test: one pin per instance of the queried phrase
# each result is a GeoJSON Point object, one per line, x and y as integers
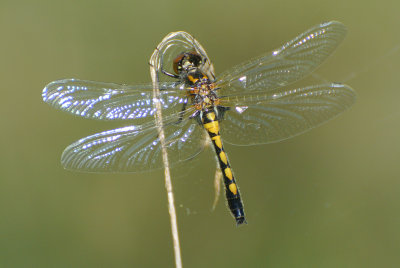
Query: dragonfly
{"type": "Point", "coordinates": [249, 104]}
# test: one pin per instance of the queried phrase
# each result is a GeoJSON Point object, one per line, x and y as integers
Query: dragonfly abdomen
{"type": "Point", "coordinates": [211, 124]}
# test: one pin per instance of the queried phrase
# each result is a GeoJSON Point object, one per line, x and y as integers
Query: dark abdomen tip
{"type": "Point", "coordinates": [240, 220]}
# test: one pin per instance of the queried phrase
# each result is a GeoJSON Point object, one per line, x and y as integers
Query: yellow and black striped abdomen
{"type": "Point", "coordinates": [211, 124]}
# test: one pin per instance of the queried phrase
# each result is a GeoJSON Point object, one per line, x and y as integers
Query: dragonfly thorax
{"type": "Point", "coordinates": [202, 90]}
{"type": "Point", "coordinates": [188, 65]}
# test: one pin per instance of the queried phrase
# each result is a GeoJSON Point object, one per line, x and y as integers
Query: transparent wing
{"type": "Point", "coordinates": [280, 114]}
{"type": "Point", "coordinates": [109, 101]}
{"type": "Point", "coordinates": [285, 65]}
{"type": "Point", "coordinates": [134, 148]}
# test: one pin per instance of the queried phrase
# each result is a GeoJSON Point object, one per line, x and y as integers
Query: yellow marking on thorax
{"type": "Point", "coordinates": [192, 79]}
{"type": "Point", "coordinates": [223, 158]}
{"type": "Point", "coordinates": [228, 173]}
{"type": "Point", "coordinates": [217, 140]}
{"type": "Point", "coordinates": [212, 127]}
{"type": "Point", "coordinates": [233, 188]}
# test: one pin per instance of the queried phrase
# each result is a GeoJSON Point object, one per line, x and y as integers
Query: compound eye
{"type": "Point", "coordinates": [177, 64]}
{"type": "Point", "coordinates": [195, 58]}
{"type": "Point", "coordinates": [185, 60]}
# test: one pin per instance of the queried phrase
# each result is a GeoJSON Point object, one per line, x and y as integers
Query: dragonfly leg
{"type": "Point", "coordinates": [181, 113]}
{"type": "Point", "coordinates": [169, 74]}
{"type": "Point", "coordinates": [164, 71]}
{"type": "Point", "coordinates": [221, 111]}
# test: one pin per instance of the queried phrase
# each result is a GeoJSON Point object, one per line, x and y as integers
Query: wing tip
{"type": "Point", "coordinates": [344, 86]}
{"type": "Point", "coordinates": [53, 86]}
{"type": "Point", "coordinates": [336, 25]}
{"type": "Point", "coordinates": [332, 22]}
{"type": "Point", "coordinates": [349, 94]}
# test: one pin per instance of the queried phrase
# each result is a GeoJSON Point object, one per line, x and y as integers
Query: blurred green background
{"type": "Point", "coordinates": [328, 198]}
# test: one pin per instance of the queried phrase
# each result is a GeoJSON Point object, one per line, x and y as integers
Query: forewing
{"type": "Point", "coordinates": [109, 101]}
{"type": "Point", "coordinates": [281, 114]}
{"type": "Point", "coordinates": [285, 65]}
{"type": "Point", "coordinates": [134, 148]}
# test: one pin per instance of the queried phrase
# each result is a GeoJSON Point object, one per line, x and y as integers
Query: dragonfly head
{"type": "Point", "coordinates": [187, 61]}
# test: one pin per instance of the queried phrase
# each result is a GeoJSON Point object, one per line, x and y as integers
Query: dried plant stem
{"type": "Point", "coordinates": [167, 174]}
